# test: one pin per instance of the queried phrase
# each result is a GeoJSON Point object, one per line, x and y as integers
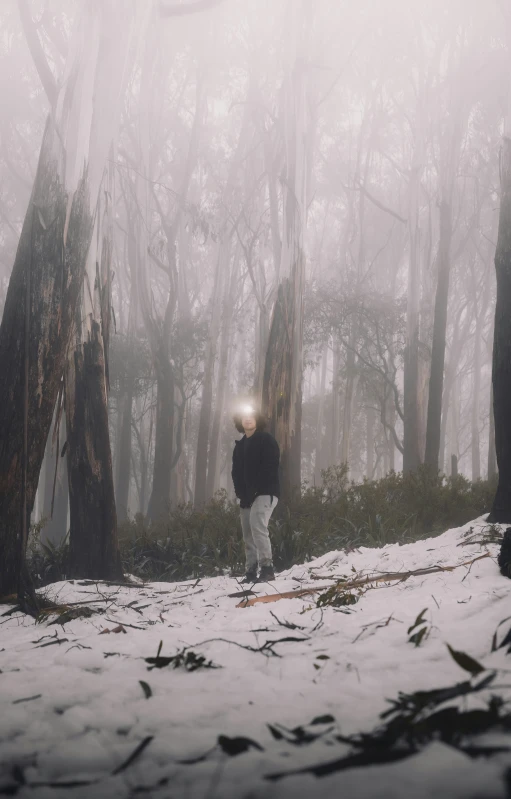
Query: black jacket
{"type": "Point", "coordinates": [255, 467]}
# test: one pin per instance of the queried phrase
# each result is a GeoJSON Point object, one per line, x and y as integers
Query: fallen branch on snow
{"type": "Point", "coordinates": [348, 585]}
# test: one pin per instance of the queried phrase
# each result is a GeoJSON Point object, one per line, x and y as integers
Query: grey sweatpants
{"type": "Point", "coordinates": [254, 524]}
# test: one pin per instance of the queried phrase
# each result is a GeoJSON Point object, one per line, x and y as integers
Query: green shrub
{"type": "Point", "coordinates": [190, 543]}
{"type": "Point", "coordinates": [399, 508]}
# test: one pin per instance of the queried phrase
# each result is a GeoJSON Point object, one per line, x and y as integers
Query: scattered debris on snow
{"type": "Point", "coordinates": [393, 659]}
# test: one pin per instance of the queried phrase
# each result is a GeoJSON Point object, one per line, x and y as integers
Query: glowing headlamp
{"type": "Point", "coordinates": [248, 410]}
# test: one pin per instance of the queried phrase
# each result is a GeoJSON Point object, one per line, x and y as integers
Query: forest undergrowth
{"type": "Point", "coordinates": [338, 515]}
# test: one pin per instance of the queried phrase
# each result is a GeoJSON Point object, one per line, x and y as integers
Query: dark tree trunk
{"type": "Point", "coordinates": [278, 386]}
{"type": "Point", "coordinates": [436, 381]}
{"type": "Point", "coordinates": [56, 275]}
{"type": "Point", "coordinates": [492, 455]}
{"type": "Point", "coordinates": [93, 546]}
{"type": "Point", "coordinates": [501, 373]}
{"type": "Point", "coordinates": [51, 259]}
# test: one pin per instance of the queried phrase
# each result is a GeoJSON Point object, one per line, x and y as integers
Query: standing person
{"type": "Point", "coordinates": [255, 474]}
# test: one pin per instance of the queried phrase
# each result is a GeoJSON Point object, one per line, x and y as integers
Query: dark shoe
{"type": "Point", "coordinates": [250, 577]}
{"type": "Point", "coordinates": [266, 574]}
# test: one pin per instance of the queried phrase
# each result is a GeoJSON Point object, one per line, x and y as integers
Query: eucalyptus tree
{"type": "Point", "coordinates": [501, 375]}
{"type": "Point", "coordinates": [50, 263]}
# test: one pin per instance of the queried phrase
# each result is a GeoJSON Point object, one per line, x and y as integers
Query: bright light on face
{"type": "Point", "coordinates": [247, 410]}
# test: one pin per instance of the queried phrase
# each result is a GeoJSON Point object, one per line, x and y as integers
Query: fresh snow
{"type": "Point", "coordinates": [90, 712]}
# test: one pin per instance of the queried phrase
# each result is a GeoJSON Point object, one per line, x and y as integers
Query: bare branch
{"type": "Point", "coordinates": [188, 8]}
{"type": "Point", "coordinates": [37, 53]}
{"type": "Point", "coordinates": [381, 206]}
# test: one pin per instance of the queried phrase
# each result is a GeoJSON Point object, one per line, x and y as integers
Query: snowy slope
{"type": "Point", "coordinates": [75, 711]}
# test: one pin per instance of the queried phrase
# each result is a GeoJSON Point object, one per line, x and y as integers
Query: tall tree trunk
{"type": "Point", "coordinates": [93, 545]}
{"type": "Point", "coordinates": [123, 471]}
{"type": "Point", "coordinates": [201, 459]}
{"type": "Point", "coordinates": [492, 455]}
{"type": "Point", "coordinates": [93, 551]}
{"type": "Point", "coordinates": [348, 404]}
{"type": "Point", "coordinates": [319, 460]}
{"type": "Point", "coordinates": [282, 384]}
{"type": "Point", "coordinates": [336, 401]}
{"type": "Point", "coordinates": [212, 484]}
{"type": "Point", "coordinates": [476, 399]}
{"type": "Point", "coordinates": [436, 380]}
{"type": "Point", "coordinates": [370, 443]}
{"type": "Point", "coordinates": [123, 454]}
{"type": "Point", "coordinates": [159, 502]}
{"type": "Point", "coordinates": [501, 372]}
{"type": "Point", "coordinates": [51, 255]}
{"type": "Point", "coordinates": [411, 457]}
{"type": "Point", "coordinates": [203, 482]}
{"type": "Point", "coordinates": [454, 421]}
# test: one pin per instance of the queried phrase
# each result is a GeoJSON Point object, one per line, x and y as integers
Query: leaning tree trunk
{"type": "Point", "coordinates": [50, 262]}
{"type": "Point", "coordinates": [501, 371]}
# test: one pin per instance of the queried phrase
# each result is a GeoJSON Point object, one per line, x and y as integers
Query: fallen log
{"type": "Point", "coordinates": [348, 585]}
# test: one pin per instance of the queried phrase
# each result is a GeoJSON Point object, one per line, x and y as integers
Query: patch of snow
{"type": "Point", "coordinates": [75, 711]}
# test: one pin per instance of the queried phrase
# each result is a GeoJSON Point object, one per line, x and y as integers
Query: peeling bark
{"type": "Point", "coordinates": [282, 383]}
{"type": "Point", "coordinates": [52, 253]}
{"type": "Point", "coordinates": [93, 550]}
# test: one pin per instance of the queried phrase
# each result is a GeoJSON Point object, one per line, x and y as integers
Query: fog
{"type": "Point", "coordinates": [255, 347]}
{"type": "Point", "coordinates": [372, 129]}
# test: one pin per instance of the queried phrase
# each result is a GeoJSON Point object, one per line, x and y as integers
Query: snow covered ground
{"type": "Point", "coordinates": [77, 702]}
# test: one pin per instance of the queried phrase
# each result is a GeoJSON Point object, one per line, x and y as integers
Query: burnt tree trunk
{"type": "Point", "coordinates": [56, 275]}
{"type": "Point", "coordinates": [93, 547]}
{"type": "Point", "coordinates": [501, 370]}
{"type": "Point", "coordinates": [50, 261]}
{"type": "Point", "coordinates": [492, 455]}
